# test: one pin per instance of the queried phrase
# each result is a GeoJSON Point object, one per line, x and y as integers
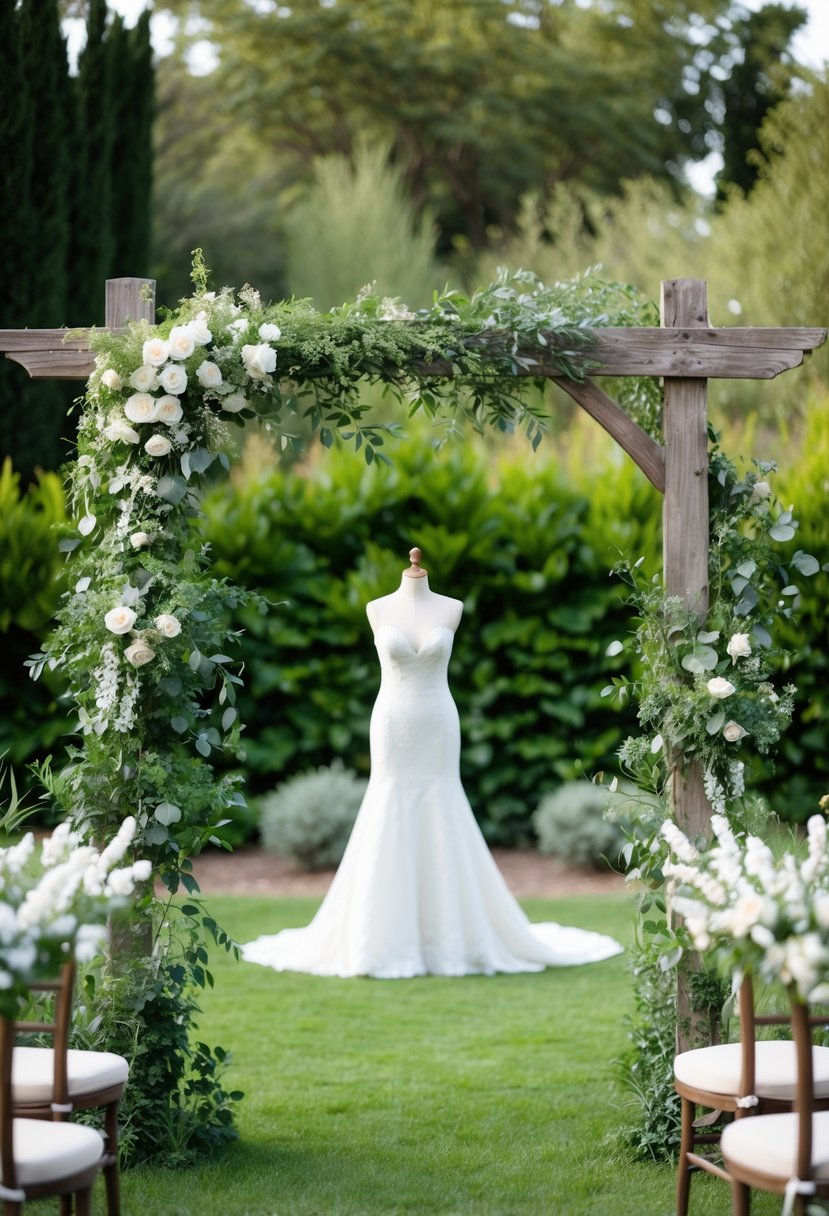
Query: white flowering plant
{"type": "Point", "coordinates": [55, 899]}
{"type": "Point", "coordinates": [707, 690]}
{"type": "Point", "coordinates": [751, 910]}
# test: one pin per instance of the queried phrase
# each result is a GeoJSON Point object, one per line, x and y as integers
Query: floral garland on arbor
{"type": "Point", "coordinates": [142, 637]}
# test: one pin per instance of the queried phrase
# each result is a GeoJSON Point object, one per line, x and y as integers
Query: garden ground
{"type": "Point", "coordinates": [480, 1096]}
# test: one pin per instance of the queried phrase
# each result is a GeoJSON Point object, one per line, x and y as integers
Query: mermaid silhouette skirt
{"type": "Point", "coordinates": [417, 891]}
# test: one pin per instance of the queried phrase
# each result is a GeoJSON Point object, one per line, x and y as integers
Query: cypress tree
{"type": "Point", "coordinates": [132, 154]}
{"type": "Point", "coordinates": [91, 243]}
{"type": "Point", "coordinates": [15, 212]}
{"type": "Point", "coordinates": [37, 433]}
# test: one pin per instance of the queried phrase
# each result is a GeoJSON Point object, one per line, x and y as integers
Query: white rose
{"type": "Point", "coordinates": [259, 360]}
{"type": "Point", "coordinates": [139, 540]}
{"type": "Point", "coordinates": [168, 625]}
{"type": "Point", "coordinates": [168, 409]}
{"type": "Point", "coordinates": [173, 379]}
{"type": "Point", "coordinates": [198, 328]}
{"type": "Point", "coordinates": [141, 870]}
{"type": "Point", "coordinates": [120, 619]}
{"type": "Point", "coordinates": [140, 407]}
{"type": "Point", "coordinates": [239, 326]}
{"type": "Point", "coordinates": [733, 732]}
{"type": "Point", "coordinates": [158, 445]}
{"type": "Point", "coordinates": [139, 653]}
{"type": "Point", "coordinates": [144, 378]}
{"type": "Point", "coordinates": [155, 351]}
{"type": "Point", "coordinates": [234, 402]}
{"type": "Point", "coordinates": [720, 688]}
{"type": "Point", "coordinates": [270, 333]}
{"type": "Point", "coordinates": [120, 431]}
{"type": "Point", "coordinates": [761, 489]}
{"type": "Point", "coordinates": [739, 646]}
{"type": "Point", "coordinates": [111, 379]}
{"type": "Point", "coordinates": [182, 342]}
{"type": "Point", "coordinates": [208, 375]}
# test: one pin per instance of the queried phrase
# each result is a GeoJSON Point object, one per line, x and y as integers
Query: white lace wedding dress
{"type": "Point", "coordinates": [417, 891]}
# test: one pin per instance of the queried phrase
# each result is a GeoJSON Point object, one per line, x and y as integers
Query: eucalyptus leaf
{"type": "Point", "coordinates": [172, 489]}
{"type": "Point", "coordinates": [781, 532]}
{"type": "Point", "coordinates": [195, 659]}
{"type": "Point", "coordinates": [156, 833]}
{"type": "Point", "coordinates": [228, 718]}
{"type": "Point", "coordinates": [167, 813]}
{"type": "Point", "coordinates": [203, 747]}
{"type": "Point", "coordinates": [201, 460]}
{"type": "Point", "coordinates": [805, 563]}
{"type": "Point", "coordinates": [171, 685]}
{"type": "Point", "coordinates": [747, 568]}
{"type": "Point", "coordinates": [179, 724]}
{"type": "Point", "coordinates": [761, 635]}
{"type": "Point", "coordinates": [614, 648]}
{"type": "Point", "coordinates": [790, 590]}
{"type": "Point", "coordinates": [701, 658]}
{"type": "Point", "coordinates": [711, 635]}
{"type": "Point", "coordinates": [715, 724]}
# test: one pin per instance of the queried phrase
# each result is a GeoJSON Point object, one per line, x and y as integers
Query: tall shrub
{"type": "Point", "coordinates": [357, 225]}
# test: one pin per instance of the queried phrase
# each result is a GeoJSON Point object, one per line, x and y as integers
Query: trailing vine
{"type": "Point", "coordinates": [141, 638]}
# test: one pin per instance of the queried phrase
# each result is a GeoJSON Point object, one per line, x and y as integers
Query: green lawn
{"type": "Point", "coordinates": [489, 1095]}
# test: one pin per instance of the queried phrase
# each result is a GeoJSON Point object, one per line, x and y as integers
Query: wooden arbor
{"type": "Point", "coordinates": [686, 351]}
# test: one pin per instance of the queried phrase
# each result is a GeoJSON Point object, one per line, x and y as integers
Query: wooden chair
{"type": "Point", "coordinates": [52, 1082]}
{"type": "Point", "coordinates": [753, 1077]}
{"type": "Point", "coordinates": [39, 1158]}
{"type": "Point", "coordinates": [787, 1154]}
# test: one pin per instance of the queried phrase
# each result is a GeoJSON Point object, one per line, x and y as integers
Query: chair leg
{"type": "Point", "coordinates": [740, 1198]}
{"type": "Point", "coordinates": [686, 1145]}
{"type": "Point", "coordinates": [111, 1177]}
{"type": "Point", "coordinates": [83, 1202]}
{"type": "Point", "coordinates": [66, 1205]}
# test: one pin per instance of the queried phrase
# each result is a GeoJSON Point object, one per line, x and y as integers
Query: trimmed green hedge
{"type": "Point", "coordinates": [525, 539]}
{"type": "Point", "coordinates": [516, 537]}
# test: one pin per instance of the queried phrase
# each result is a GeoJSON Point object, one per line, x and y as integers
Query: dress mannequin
{"type": "Point", "coordinates": [414, 609]}
{"type": "Point", "coordinates": [417, 891]}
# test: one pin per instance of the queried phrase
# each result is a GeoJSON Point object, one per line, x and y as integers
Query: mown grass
{"type": "Point", "coordinates": [485, 1095]}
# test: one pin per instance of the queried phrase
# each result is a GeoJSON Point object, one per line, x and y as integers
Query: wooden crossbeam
{"type": "Point", "coordinates": [730, 354]}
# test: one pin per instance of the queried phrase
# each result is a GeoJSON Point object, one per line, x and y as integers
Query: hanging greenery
{"type": "Point", "coordinates": [141, 637]}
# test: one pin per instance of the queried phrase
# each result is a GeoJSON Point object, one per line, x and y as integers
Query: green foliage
{"type": "Point", "coordinates": [31, 577]}
{"type": "Point", "coordinates": [570, 823]}
{"type": "Point", "coordinates": [310, 817]}
{"type": "Point", "coordinates": [706, 692]}
{"type": "Point", "coordinates": [356, 225]}
{"type": "Point", "coordinates": [176, 1107]}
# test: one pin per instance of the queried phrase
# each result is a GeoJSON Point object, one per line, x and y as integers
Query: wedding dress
{"type": "Point", "coordinates": [417, 891]}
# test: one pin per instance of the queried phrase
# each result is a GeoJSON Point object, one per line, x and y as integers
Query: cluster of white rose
{"type": "Point", "coordinates": [758, 912]}
{"type": "Point", "coordinates": [53, 905]}
{"type": "Point", "coordinates": [121, 619]}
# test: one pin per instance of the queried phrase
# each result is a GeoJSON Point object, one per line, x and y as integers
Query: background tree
{"type": "Point", "coordinates": [758, 82]}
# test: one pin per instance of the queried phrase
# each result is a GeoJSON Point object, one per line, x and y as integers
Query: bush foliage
{"type": "Point", "coordinates": [310, 816]}
{"type": "Point", "coordinates": [525, 539]}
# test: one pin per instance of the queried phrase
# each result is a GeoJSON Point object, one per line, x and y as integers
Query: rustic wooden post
{"type": "Point", "coordinates": [685, 546]}
{"type": "Point", "coordinates": [129, 300]}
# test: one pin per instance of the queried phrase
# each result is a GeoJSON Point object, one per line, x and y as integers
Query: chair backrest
{"type": "Point", "coordinates": [57, 1027]}
{"type": "Point", "coordinates": [801, 1022]}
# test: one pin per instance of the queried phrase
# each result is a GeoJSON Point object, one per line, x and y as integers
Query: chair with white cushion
{"type": "Point", "coordinates": [40, 1158]}
{"type": "Point", "coordinates": [51, 1083]}
{"type": "Point", "coordinates": [752, 1077]}
{"type": "Point", "coordinates": [787, 1154]}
